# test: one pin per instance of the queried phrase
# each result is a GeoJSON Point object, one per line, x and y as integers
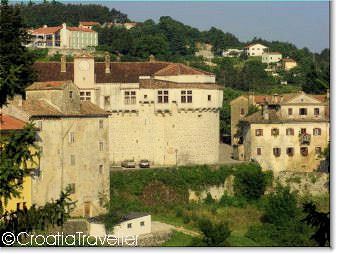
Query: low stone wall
{"type": "Point", "coordinates": [215, 191]}
{"type": "Point", "coordinates": [314, 183]}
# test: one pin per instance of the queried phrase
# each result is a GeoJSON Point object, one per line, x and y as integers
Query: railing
{"type": "Point", "coordinates": [305, 139]}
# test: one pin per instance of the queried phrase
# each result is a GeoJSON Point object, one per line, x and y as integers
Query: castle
{"type": "Point", "coordinates": [93, 115]}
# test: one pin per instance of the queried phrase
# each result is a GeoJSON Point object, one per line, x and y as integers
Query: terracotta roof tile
{"type": "Point", "coordinates": [8, 122]}
{"type": "Point", "coordinates": [175, 69]}
{"type": "Point", "coordinates": [48, 85]}
{"type": "Point", "coordinates": [82, 29]}
{"type": "Point", "coordinates": [89, 23]}
{"type": "Point", "coordinates": [88, 108]}
{"type": "Point", "coordinates": [46, 30]}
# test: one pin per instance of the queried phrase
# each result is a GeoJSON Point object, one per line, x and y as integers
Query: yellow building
{"type": "Point", "coordinates": [9, 124]}
{"type": "Point", "coordinates": [289, 63]}
{"type": "Point", "coordinates": [287, 134]}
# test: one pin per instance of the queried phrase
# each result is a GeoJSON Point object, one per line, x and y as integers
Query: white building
{"type": "Point", "coordinates": [133, 224]}
{"type": "Point", "coordinates": [63, 37]}
{"type": "Point", "coordinates": [271, 57]}
{"type": "Point", "coordinates": [232, 52]}
{"type": "Point", "coordinates": [256, 49]}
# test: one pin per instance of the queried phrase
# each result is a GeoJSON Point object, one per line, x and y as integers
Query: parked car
{"type": "Point", "coordinates": [128, 164]}
{"type": "Point", "coordinates": [144, 164]}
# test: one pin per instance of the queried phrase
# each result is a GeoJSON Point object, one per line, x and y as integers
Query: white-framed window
{"type": "Point", "coordinates": [71, 137]}
{"type": "Point", "coordinates": [142, 223]}
{"type": "Point", "coordinates": [163, 96]}
{"type": "Point", "coordinates": [317, 132]}
{"type": "Point", "coordinates": [106, 100]}
{"type": "Point", "coordinates": [72, 160]}
{"type": "Point", "coordinates": [186, 96]}
{"type": "Point", "coordinates": [129, 97]}
{"type": "Point", "coordinates": [101, 146]}
{"type": "Point", "coordinates": [101, 123]}
{"type": "Point", "coordinates": [129, 225]}
{"type": "Point", "coordinates": [85, 96]}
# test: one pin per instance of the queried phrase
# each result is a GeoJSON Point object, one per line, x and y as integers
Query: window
{"type": "Point", "coordinates": [71, 137]}
{"type": "Point", "coordinates": [258, 151]}
{"type": "Point", "coordinates": [303, 131]}
{"type": "Point", "coordinates": [85, 96]}
{"type": "Point", "coordinates": [290, 111]}
{"type": "Point", "coordinates": [303, 111]}
{"type": "Point", "coordinates": [290, 151]}
{"type": "Point", "coordinates": [100, 123]}
{"type": "Point", "coordinates": [209, 97]}
{"type": "Point", "coordinates": [275, 131]}
{"type": "Point", "coordinates": [106, 100]}
{"type": "Point", "coordinates": [290, 132]}
{"type": "Point", "coordinates": [72, 160]}
{"type": "Point", "coordinates": [316, 111]}
{"type": "Point", "coordinates": [277, 152]}
{"type": "Point", "coordinates": [100, 169]}
{"type": "Point", "coordinates": [186, 96]}
{"type": "Point", "coordinates": [72, 188]}
{"type": "Point", "coordinates": [20, 180]}
{"type": "Point", "coordinates": [130, 97]}
{"type": "Point", "coordinates": [318, 150]}
{"type": "Point", "coordinates": [242, 111]}
{"type": "Point", "coordinates": [129, 225]}
{"type": "Point", "coordinates": [101, 145]}
{"type": "Point", "coordinates": [317, 132]}
{"type": "Point", "coordinates": [142, 223]}
{"type": "Point", "coordinates": [145, 96]}
{"type": "Point", "coordinates": [304, 151]}
{"type": "Point", "coordinates": [163, 96]}
{"type": "Point", "coordinates": [259, 132]}
{"type": "Point", "coordinates": [70, 94]}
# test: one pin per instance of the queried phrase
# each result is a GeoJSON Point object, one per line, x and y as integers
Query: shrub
{"type": "Point", "coordinates": [179, 212]}
{"type": "Point", "coordinates": [237, 201]}
{"type": "Point", "coordinates": [214, 234]}
{"type": "Point", "coordinates": [209, 199]}
{"type": "Point", "coordinates": [250, 182]}
{"type": "Point", "coordinates": [186, 219]}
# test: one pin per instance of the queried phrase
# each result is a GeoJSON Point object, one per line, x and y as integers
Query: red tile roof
{"type": "Point", "coordinates": [8, 122]}
{"type": "Point", "coordinates": [175, 69]}
{"type": "Point", "coordinates": [89, 23]}
{"type": "Point", "coordinates": [46, 30]}
{"type": "Point", "coordinates": [82, 29]}
{"type": "Point", "coordinates": [48, 85]}
{"type": "Point", "coordinates": [288, 60]}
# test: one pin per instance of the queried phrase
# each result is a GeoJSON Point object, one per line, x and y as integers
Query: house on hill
{"type": "Point", "coordinates": [255, 49]}
{"type": "Point", "coordinates": [289, 63]}
{"type": "Point", "coordinates": [63, 37]}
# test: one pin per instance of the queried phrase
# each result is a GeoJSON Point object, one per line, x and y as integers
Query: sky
{"type": "Point", "coordinates": [306, 24]}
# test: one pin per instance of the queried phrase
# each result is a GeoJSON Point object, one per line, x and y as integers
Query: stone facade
{"type": "Point", "coordinates": [288, 133]}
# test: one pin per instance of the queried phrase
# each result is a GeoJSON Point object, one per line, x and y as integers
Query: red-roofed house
{"type": "Point", "coordinates": [63, 37]}
{"type": "Point", "coordinates": [88, 24]}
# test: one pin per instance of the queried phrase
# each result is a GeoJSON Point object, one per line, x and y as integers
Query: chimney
{"type": "Point", "coordinates": [107, 62]}
{"type": "Point", "coordinates": [275, 98]}
{"type": "Point", "coordinates": [152, 58]}
{"type": "Point", "coordinates": [251, 98]}
{"type": "Point", "coordinates": [265, 112]}
{"type": "Point", "coordinates": [63, 63]}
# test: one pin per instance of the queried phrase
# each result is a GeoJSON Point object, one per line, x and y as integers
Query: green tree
{"type": "Point", "coordinates": [16, 62]}
{"type": "Point", "coordinates": [215, 234]}
{"type": "Point", "coordinates": [250, 182]}
{"type": "Point", "coordinates": [320, 221]}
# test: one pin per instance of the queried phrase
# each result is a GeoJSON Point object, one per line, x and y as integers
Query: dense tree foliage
{"type": "Point", "coordinates": [320, 221]}
{"type": "Point", "coordinates": [54, 13]}
{"type": "Point", "coordinates": [250, 183]}
{"type": "Point", "coordinates": [215, 234]}
{"type": "Point", "coordinates": [282, 222]}
{"type": "Point", "coordinates": [16, 71]}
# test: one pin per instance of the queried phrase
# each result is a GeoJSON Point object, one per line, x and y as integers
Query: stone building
{"type": "Point", "coordinates": [288, 132]}
{"type": "Point", "coordinates": [73, 138]}
{"type": "Point", "coordinates": [165, 112]}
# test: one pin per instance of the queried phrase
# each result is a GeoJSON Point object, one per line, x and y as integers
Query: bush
{"type": "Point", "coordinates": [214, 234]}
{"type": "Point", "coordinates": [186, 219]}
{"type": "Point", "coordinates": [237, 201]}
{"type": "Point", "coordinates": [209, 199]}
{"type": "Point", "coordinates": [250, 182]}
{"type": "Point", "coordinates": [179, 212]}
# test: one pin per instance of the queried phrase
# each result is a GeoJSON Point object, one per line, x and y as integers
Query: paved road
{"type": "Point", "coordinates": [158, 227]}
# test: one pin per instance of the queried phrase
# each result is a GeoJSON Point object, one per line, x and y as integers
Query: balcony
{"type": "Point", "coordinates": [305, 139]}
